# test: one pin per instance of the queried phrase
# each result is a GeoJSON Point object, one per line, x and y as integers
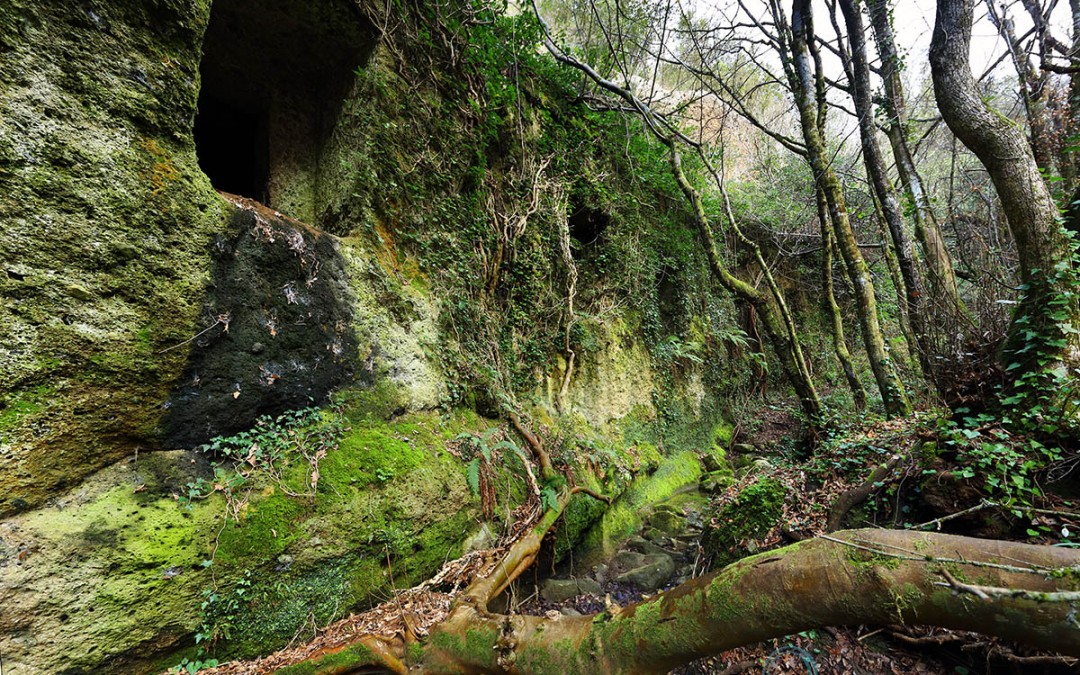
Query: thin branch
{"type": "Point", "coordinates": [990, 592]}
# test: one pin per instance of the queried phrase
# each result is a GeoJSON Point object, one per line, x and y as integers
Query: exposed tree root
{"type": "Point", "coordinates": [859, 494]}
{"type": "Point", "coordinates": [547, 471]}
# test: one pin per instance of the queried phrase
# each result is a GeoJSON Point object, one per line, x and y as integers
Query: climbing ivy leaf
{"type": "Point", "coordinates": [549, 499]}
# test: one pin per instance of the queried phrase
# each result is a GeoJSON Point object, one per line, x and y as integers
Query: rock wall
{"type": "Point", "coordinates": [279, 328]}
{"type": "Point", "coordinates": [107, 220]}
{"type": "Point", "coordinates": [142, 313]}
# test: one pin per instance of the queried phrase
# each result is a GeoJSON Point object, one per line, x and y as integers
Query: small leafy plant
{"type": "Point", "coordinates": [479, 472]}
{"type": "Point", "coordinates": [191, 666]}
{"type": "Point", "coordinates": [267, 449]}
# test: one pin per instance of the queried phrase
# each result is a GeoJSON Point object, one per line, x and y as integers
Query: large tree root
{"type": "Point", "coordinates": [861, 493]}
{"type": "Point", "coordinates": [853, 577]}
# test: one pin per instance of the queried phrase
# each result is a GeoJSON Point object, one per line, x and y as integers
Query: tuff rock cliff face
{"type": "Point", "coordinates": [144, 313]}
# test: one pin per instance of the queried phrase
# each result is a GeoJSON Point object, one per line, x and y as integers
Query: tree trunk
{"type": "Point", "coordinates": [892, 390]}
{"type": "Point", "coordinates": [1039, 335]}
{"type": "Point", "coordinates": [858, 393]}
{"type": "Point", "coordinates": [941, 275]}
{"type": "Point", "coordinates": [852, 577]}
{"type": "Point", "coordinates": [899, 287]}
{"type": "Point", "coordinates": [1033, 89]}
{"type": "Point", "coordinates": [1070, 166]}
{"type": "Point", "coordinates": [774, 315]}
{"type": "Point", "coordinates": [887, 199]}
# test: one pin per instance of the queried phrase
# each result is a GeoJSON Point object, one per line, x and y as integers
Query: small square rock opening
{"type": "Point", "coordinates": [273, 76]}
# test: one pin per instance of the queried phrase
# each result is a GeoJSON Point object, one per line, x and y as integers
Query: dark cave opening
{"type": "Point", "coordinates": [233, 147]}
{"type": "Point", "coordinates": [587, 227]}
{"type": "Point", "coordinates": [274, 74]}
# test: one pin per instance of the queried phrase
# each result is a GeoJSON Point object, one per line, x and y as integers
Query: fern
{"type": "Point", "coordinates": [513, 447]}
{"type": "Point", "coordinates": [472, 475]}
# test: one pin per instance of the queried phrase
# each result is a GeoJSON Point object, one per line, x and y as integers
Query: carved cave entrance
{"type": "Point", "coordinates": [274, 74]}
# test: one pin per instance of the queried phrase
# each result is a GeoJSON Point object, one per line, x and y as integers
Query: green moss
{"type": "Point", "coordinates": [646, 455]}
{"type": "Point", "coordinates": [358, 539]}
{"type": "Point", "coordinates": [119, 563]}
{"type": "Point", "coordinates": [579, 515]}
{"type": "Point", "coordinates": [906, 597]}
{"type": "Point", "coordinates": [555, 659]}
{"type": "Point", "coordinates": [352, 656]}
{"type": "Point", "coordinates": [750, 516]}
{"type": "Point", "coordinates": [367, 455]}
{"type": "Point", "coordinates": [374, 404]}
{"type": "Point", "coordinates": [627, 514]}
{"type": "Point", "coordinates": [24, 404]}
{"type": "Point", "coordinates": [722, 434]}
{"type": "Point", "coordinates": [265, 528]}
{"type": "Point", "coordinates": [864, 562]}
{"type": "Point", "coordinates": [284, 602]}
{"type": "Point", "coordinates": [476, 647]}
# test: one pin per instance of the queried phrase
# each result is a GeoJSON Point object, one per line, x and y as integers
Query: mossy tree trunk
{"type": "Point", "coordinates": [803, 86]}
{"type": "Point", "coordinates": [1070, 164]}
{"type": "Point", "coordinates": [897, 279]}
{"type": "Point", "coordinates": [769, 305]}
{"type": "Point", "coordinates": [942, 277]}
{"type": "Point", "coordinates": [853, 577]}
{"type": "Point", "coordinates": [887, 200]}
{"type": "Point", "coordinates": [832, 309]}
{"type": "Point", "coordinates": [1043, 327]}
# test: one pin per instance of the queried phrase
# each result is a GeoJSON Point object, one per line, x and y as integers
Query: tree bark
{"type": "Point", "coordinates": [853, 577]}
{"type": "Point", "coordinates": [899, 287]}
{"type": "Point", "coordinates": [803, 87]}
{"type": "Point", "coordinates": [832, 310]}
{"type": "Point", "coordinates": [1037, 338]}
{"type": "Point", "coordinates": [944, 297]}
{"type": "Point", "coordinates": [1034, 90]}
{"type": "Point", "coordinates": [887, 199]}
{"type": "Point", "coordinates": [1070, 166]}
{"type": "Point", "coordinates": [774, 315]}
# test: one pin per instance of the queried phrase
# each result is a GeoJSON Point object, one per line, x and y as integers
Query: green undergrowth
{"type": "Point", "coordinates": [393, 502]}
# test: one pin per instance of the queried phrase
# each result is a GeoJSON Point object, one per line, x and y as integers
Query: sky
{"type": "Point", "coordinates": [913, 24]}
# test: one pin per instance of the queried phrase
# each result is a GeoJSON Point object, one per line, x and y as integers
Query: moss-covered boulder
{"type": "Point", "coordinates": [737, 525]}
{"type": "Point", "coordinates": [629, 512]}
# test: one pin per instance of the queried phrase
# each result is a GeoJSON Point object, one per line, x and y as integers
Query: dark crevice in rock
{"type": "Point", "coordinates": [273, 76]}
{"type": "Point", "coordinates": [233, 147]}
{"type": "Point", "coordinates": [587, 227]}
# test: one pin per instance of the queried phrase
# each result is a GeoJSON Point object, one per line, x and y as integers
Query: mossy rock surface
{"type": "Point", "coordinates": [739, 523]}
{"type": "Point", "coordinates": [627, 514]}
{"type": "Point", "coordinates": [106, 221]}
{"type": "Point", "coordinates": [114, 574]}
